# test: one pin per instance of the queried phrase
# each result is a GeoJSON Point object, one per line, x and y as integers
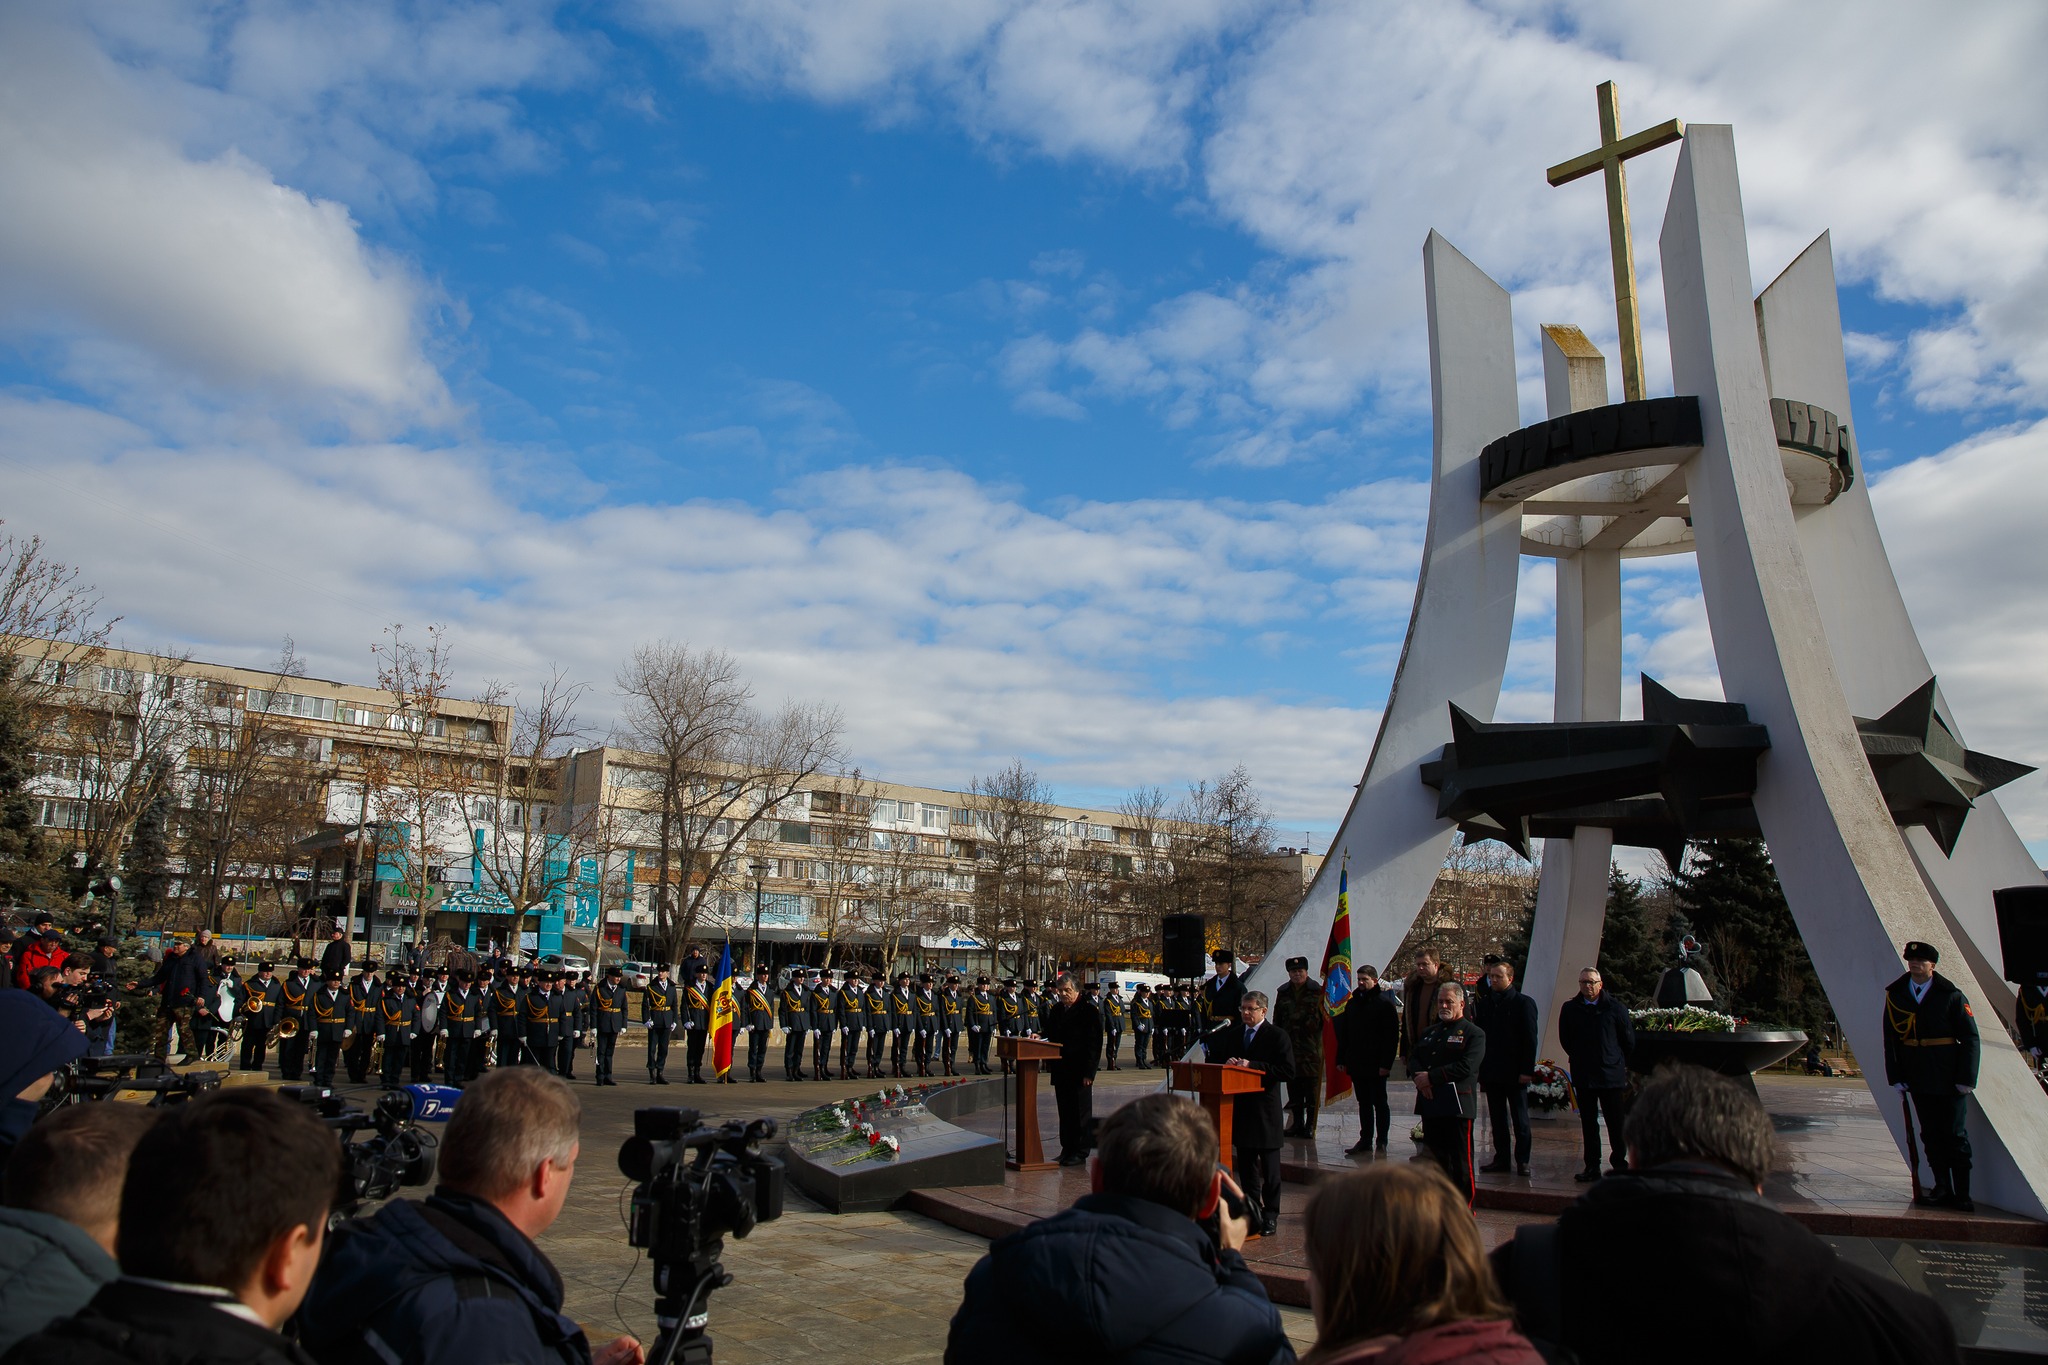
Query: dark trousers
{"type": "Point", "coordinates": [693, 1052]}
{"type": "Point", "coordinates": [1508, 1106]}
{"type": "Point", "coordinates": [1077, 1107]}
{"type": "Point", "coordinates": [397, 1048]}
{"type": "Point", "coordinates": [357, 1058]}
{"type": "Point", "coordinates": [792, 1054]}
{"type": "Point", "coordinates": [949, 1049]}
{"type": "Point", "coordinates": [821, 1054]}
{"type": "Point", "coordinates": [757, 1052]}
{"type": "Point", "coordinates": [849, 1050]}
{"type": "Point", "coordinates": [509, 1039]}
{"type": "Point", "coordinates": [657, 1049]}
{"type": "Point", "coordinates": [255, 1042]}
{"type": "Point", "coordinates": [457, 1059]}
{"type": "Point", "coordinates": [1140, 1037]}
{"type": "Point", "coordinates": [899, 1049]}
{"type": "Point", "coordinates": [1449, 1140]}
{"type": "Point", "coordinates": [565, 1055]}
{"type": "Point", "coordinates": [1305, 1096]}
{"type": "Point", "coordinates": [1375, 1115]}
{"type": "Point", "coordinates": [921, 1050]}
{"type": "Point", "coordinates": [326, 1053]}
{"type": "Point", "coordinates": [1112, 1043]}
{"type": "Point", "coordinates": [479, 1053]}
{"type": "Point", "coordinates": [1943, 1136]}
{"type": "Point", "coordinates": [977, 1048]}
{"type": "Point", "coordinates": [1258, 1174]}
{"type": "Point", "coordinates": [1614, 1104]}
{"type": "Point", "coordinates": [877, 1039]}
{"type": "Point", "coordinates": [540, 1048]}
{"type": "Point", "coordinates": [423, 1059]}
{"type": "Point", "coordinates": [607, 1044]}
{"type": "Point", "coordinates": [291, 1056]}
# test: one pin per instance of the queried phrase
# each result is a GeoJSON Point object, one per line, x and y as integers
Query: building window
{"type": "Point", "coordinates": [936, 817]}
{"type": "Point", "coordinates": [793, 832]}
{"type": "Point", "coordinates": [291, 704]}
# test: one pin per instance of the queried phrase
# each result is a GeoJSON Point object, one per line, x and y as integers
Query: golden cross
{"type": "Point", "coordinates": [1613, 150]}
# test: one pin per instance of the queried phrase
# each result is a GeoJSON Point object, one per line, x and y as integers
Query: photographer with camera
{"type": "Point", "coordinates": [34, 1043]}
{"type": "Point", "coordinates": [1130, 1272]}
{"type": "Point", "coordinates": [223, 1213]}
{"type": "Point", "coordinates": [456, 1277]}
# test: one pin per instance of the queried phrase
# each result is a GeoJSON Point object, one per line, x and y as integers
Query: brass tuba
{"type": "Point", "coordinates": [289, 1027]}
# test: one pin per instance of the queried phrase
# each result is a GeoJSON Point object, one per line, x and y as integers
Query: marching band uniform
{"type": "Point", "coordinates": [398, 1019]}
{"type": "Point", "coordinates": [658, 1012]}
{"type": "Point", "coordinates": [901, 1010]}
{"type": "Point", "coordinates": [696, 1023]}
{"type": "Point", "coordinates": [925, 1023]}
{"type": "Point", "coordinates": [294, 996]}
{"type": "Point", "coordinates": [461, 1012]}
{"type": "Point", "coordinates": [952, 1009]}
{"type": "Point", "coordinates": [505, 1020]}
{"type": "Point", "coordinates": [850, 1008]}
{"type": "Point", "coordinates": [256, 1001]}
{"type": "Point", "coordinates": [981, 1025]}
{"type": "Point", "coordinates": [330, 1028]}
{"type": "Point", "coordinates": [1112, 1025]}
{"type": "Point", "coordinates": [541, 1011]}
{"type": "Point", "coordinates": [364, 994]}
{"type": "Point", "coordinates": [823, 1004]}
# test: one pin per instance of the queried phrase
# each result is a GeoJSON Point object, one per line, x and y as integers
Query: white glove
{"type": "Point", "coordinates": [1966, 1090]}
{"type": "Point", "coordinates": [2036, 1051]}
{"type": "Point", "coordinates": [1900, 1087]}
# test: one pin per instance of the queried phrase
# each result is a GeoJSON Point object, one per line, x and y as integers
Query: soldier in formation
{"type": "Point", "coordinates": [364, 995]}
{"type": "Point", "coordinates": [757, 1016]}
{"type": "Point", "coordinates": [1113, 1010]}
{"type": "Point", "coordinates": [981, 1024]}
{"type": "Point", "coordinates": [398, 1025]}
{"type": "Point", "coordinates": [1141, 1017]}
{"type": "Point", "coordinates": [331, 1026]}
{"type": "Point", "coordinates": [257, 1001]}
{"type": "Point", "coordinates": [850, 1007]}
{"type": "Point", "coordinates": [658, 1000]}
{"type": "Point", "coordinates": [1302, 1012]}
{"type": "Point", "coordinates": [462, 1019]}
{"type": "Point", "coordinates": [608, 1020]}
{"type": "Point", "coordinates": [1009, 1016]}
{"type": "Point", "coordinates": [696, 1021]}
{"type": "Point", "coordinates": [824, 1016]}
{"type": "Point", "coordinates": [795, 1010]}
{"type": "Point", "coordinates": [503, 1003]}
{"type": "Point", "coordinates": [901, 1009]}
{"type": "Point", "coordinates": [952, 1012]}
{"type": "Point", "coordinates": [924, 1020]}
{"type": "Point", "coordinates": [294, 999]}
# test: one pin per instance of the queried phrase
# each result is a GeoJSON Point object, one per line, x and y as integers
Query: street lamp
{"type": "Point", "coordinates": [759, 868]}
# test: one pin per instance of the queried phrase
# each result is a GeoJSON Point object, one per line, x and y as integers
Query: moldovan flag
{"type": "Point", "coordinates": [1337, 986]}
{"type": "Point", "coordinates": [723, 1012]}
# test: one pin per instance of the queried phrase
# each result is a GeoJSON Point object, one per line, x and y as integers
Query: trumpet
{"type": "Point", "coordinates": [289, 1027]}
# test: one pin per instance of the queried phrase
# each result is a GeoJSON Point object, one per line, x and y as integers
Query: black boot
{"type": "Point", "coordinates": [1961, 1203]}
{"type": "Point", "coordinates": [1939, 1193]}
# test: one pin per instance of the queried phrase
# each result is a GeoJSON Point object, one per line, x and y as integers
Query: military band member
{"type": "Point", "coordinates": [757, 1016]}
{"type": "Point", "coordinates": [256, 1005]}
{"type": "Point", "coordinates": [658, 999]}
{"type": "Point", "coordinates": [428, 1018]}
{"type": "Point", "coordinates": [696, 1021]}
{"type": "Point", "coordinates": [608, 1020]}
{"type": "Point", "coordinates": [540, 1011]}
{"type": "Point", "coordinates": [823, 1004]}
{"type": "Point", "coordinates": [398, 1021]}
{"type": "Point", "coordinates": [1027, 1004]}
{"type": "Point", "coordinates": [330, 1027]}
{"type": "Point", "coordinates": [573, 1001]}
{"type": "Point", "coordinates": [294, 999]}
{"type": "Point", "coordinates": [462, 1015]}
{"type": "Point", "coordinates": [850, 1010]}
{"type": "Point", "coordinates": [952, 1010]}
{"type": "Point", "coordinates": [1112, 1025]}
{"type": "Point", "coordinates": [480, 1039]}
{"type": "Point", "coordinates": [878, 1023]}
{"type": "Point", "coordinates": [505, 1020]}
{"type": "Point", "coordinates": [1931, 1052]}
{"type": "Point", "coordinates": [1141, 1024]}
{"type": "Point", "coordinates": [364, 993]}
{"type": "Point", "coordinates": [795, 1007]}
{"type": "Point", "coordinates": [981, 1025]}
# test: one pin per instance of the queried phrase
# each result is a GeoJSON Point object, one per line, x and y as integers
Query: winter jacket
{"type": "Point", "coordinates": [1475, 1341]}
{"type": "Point", "coordinates": [1778, 1292]}
{"type": "Point", "coordinates": [49, 1269]}
{"type": "Point", "coordinates": [1368, 1032]}
{"type": "Point", "coordinates": [1114, 1279]}
{"type": "Point", "coordinates": [47, 951]}
{"type": "Point", "coordinates": [447, 1278]}
{"type": "Point", "coordinates": [136, 1324]}
{"type": "Point", "coordinates": [1597, 1036]}
{"type": "Point", "coordinates": [184, 981]}
{"type": "Point", "coordinates": [1509, 1019]}
{"type": "Point", "coordinates": [34, 1041]}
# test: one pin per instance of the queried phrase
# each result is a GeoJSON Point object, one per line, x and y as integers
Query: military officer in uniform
{"type": "Point", "coordinates": [574, 1003]}
{"type": "Point", "coordinates": [1301, 1011]}
{"type": "Point", "coordinates": [1930, 1052]}
{"type": "Point", "coordinates": [952, 1011]}
{"type": "Point", "coordinates": [824, 1008]}
{"type": "Point", "coordinates": [330, 1027]}
{"type": "Point", "coordinates": [1141, 1024]}
{"type": "Point", "coordinates": [796, 1015]}
{"type": "Point", "coordinates": [398, 1020]}
{"type": "Point", "coordinates": [902, 1013]}
{"type": "Point", "coordinates": [1113, 1010]}
{"type": "Point", "coordinates": [658, 1013]}
{"type": "Point", "coordinates": [363, 995]}
{"type": "Point", "coordinates": [1009, 1016]}
{"type": "Point", "coordinates": [696, 1021]}
{"type": "Point", "coordinates": [1027, 1009]}
{"type": "Point", "coordinates": [294, 998]}
{"type": "Point", "coordinates": [608, 1020]}
{"type": "Point", "coordinates": [505, 1020]}
{"type": "Point", "coordinates": [256, 1002]}
{"type": "Point", "coordinates": [2030, 1019]}
{"type": "Point", "coordinates": [981, 1024]}
{"type": "Point", "coordinates": [1445, 1060]}
{"type": "Point", "coordinates": [539, 1021]}
{"type": "Point", "coordinates": [462, 1014]}
{"type": "Point", "coordinates": [850, 1012]}
{"type": "Point", "coordinates": [877, 1002]}
{"type": "Point", "coordinates": [757, 1016]}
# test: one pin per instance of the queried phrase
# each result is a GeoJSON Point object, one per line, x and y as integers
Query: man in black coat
{"type": "Point", "coordinates": [1689, 1219]}
{"type": "Point", "coordinates": [1931, 1051]}
{"type": "Point", "coordinates": [334, 957]}
{"type": "Point", "coordinates": [1508, 1019]}
{"type": "Point", "coordinates": [1220, 996]}
{"type": "Point", "coordinates": [1597, 1036]}
{"type": "Point", "coordinates": [1127, 1273]}
{"type": "Point", "coordinates": [1076, 1026]}
{"type": "Point", "coordinates": [1256, 1124]}
{"type": "Point", "coordinates": [1368, 1040]}
{"type": "Point", "coordinates": [1445, 1062]}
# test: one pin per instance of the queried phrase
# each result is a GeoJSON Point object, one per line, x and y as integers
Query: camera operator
{"type": "Point", "coordinates": [34, 1042]}
{"type": "Point", "coordinates": [103, 990]}
{"type": "Point", "coordinates": [456, 1278]}
{"type": "Point", "coordinates": [223, 1212]}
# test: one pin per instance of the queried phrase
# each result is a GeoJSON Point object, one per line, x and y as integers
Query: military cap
{"type": "Point", "coordinates": [1222, 955]}
{"type": "Point", "coordinates": [981, 981]}
{"type": "Point", "coordinates": [1297, 964]}
{"type": "Point", "coordinates": [615, 970]}
{"type": "Point", "coordinates": [761, 970]}
{"type": "Point", "coordinates": [263, 967]}
{"type": "Point", "coordinates": [1916, 951]}
{"type": "Point", "coordinates": [924, 978]}
{"type": "Point", "coordinates": [305, 964]}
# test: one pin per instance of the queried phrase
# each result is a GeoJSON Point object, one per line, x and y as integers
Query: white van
{"type": "Point", "coordinates": [1129, 981]}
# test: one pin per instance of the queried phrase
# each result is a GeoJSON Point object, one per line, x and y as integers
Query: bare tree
{"type": "Point", "coordinates": [1223, 853]}
{"type": "Point", "coordinates": [724, 768]}
{"type": "Point", "coordinates": [841, 821]}
{"type": "Point", "coordinates": [528, 848]}
{"type": "Point", "coordinates": [125, 739]}
{"type": "Point", "coordinates": [1016, 847]}
{"type": "Point", "coordinates": [47, 617]}
{"type": "Point", "coordinates": [908, 894]}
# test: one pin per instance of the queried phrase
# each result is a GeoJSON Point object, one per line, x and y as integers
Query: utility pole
{"type": "Point", "coordinates": [355, 880]}
{"type": "Point", "coordinates": [760, 869]}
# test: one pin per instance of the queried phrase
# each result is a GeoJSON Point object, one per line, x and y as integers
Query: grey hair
{"type": "Point", "coordinates": [511, 1119]}
{"type": "Point", "coordinates": [1255, 998]}
{"type": "Point", "coordinates": [1689, 1112]}
{"type": "Point", "coordinates": [1066, 979]}
{"type": "Point", "coordinates": [1451, 988]}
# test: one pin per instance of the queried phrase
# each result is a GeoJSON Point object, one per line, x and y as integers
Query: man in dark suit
{"type": "Point", "coordinates": [1597, 1035]}
{"type": "Point", "coordinates": [1255, 1119]}
{"type": "Point", "coordinates": [1076, 1026]}
{"type": "Point", "coordinates": [1508, 1019]}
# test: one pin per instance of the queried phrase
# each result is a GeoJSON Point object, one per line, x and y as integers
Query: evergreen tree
{"type": "Point", "coordinates": [25, 870]}
{"type": "Point", "coordinates": [1515, 947]}
{"type": "Point", "coordinates": [1729, 891]}
{"type": "Point", "coordinates": [149, 860]}
{"type": "Point", "coordinates": [1631, 959]}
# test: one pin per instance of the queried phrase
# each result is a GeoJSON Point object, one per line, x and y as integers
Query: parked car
{"type": "Point", "coordinates": [636, 974]}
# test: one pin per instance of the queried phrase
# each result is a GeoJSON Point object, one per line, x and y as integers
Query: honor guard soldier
{"type": "Point", "coordinates": [1112, 1025]}
{"type": "Point", "coordinates": [924, 1023]}
{"type": "Point", "coordinates": [1141, 1024]}
{"type": "Point", "coordinates": [1009, 1016]}
{"type": "Point", "coordinates": [1446, 1061]}
{"type": "Point", "coordinates": [877, 1001]}
{"type": "Point", "coordinates": [850, 1010]}
{"type": "Point", "coordinates": [294, 999]}
{"type": "Point", "coordinates": [794, 1004]}
{"type": "Point", "coordinates": [462, 1015]}
{"type": "Point", "coordinates": [398, 1022]}
{"type": "Point", "coordinates": [505, 1018]}
{"type": "Point", "coordinates": [757, 1015]}
{"type": "Point", "coordinates": [363, 995]}
{"type": "Point", "coordinates": [658, 1012]}
{"type": "Point", "coordinates": [330, 1027]}
{"type": "Point", "coordinates": [256, 1002]}
{"type": "Point", "coordinates": [2030, 1020]}
{"type": "Point", "coordinates": [574, 1004]}
{"type": "Point", "coordinates": [1221, 993]}
{"type": "Point", "coordinates": [1027, 1005]}
{"type": "Point", "coordinates": [952, 1012]}
{"type": "Point", "coordinates": [981, 1024]}
{"type": "Point", "coordinates": [608, 1020]}
{"type": "Point", "coordinates": [902, 1009]}
{"type": "Point", "coordinates": [822, 1002]}
{"type": "Point", "coordinates": [1301, 1011]}
{"type": "Point", "coordinates": [696, 1021]}
{"type": "Point", "coordinates": [542, 1019]}
{"type": "Point", "coordinates": [1931, 1052]}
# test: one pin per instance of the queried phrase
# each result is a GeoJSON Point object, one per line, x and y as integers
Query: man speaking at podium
{"type": "Point", "coordinates": [1255, 1123]}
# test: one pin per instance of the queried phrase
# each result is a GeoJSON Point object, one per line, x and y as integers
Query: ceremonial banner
{"type": "Point", "coordinates": [1337, 987]}
{"type": "Point", "coordinates": [723, 1012]}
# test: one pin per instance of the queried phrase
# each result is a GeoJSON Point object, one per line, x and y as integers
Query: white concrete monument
{"type": "Point", "coordinates": [1833, 742]}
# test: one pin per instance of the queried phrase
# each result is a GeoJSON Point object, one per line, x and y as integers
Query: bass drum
{"type": "Point", "coordinates": [224, 1002]}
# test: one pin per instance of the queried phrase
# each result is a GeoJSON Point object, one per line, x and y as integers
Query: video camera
{"type": "Point", "coordinates": [693, 1186]}
{"type": "Point", "coordinates": [97, 1078]}
{"type": "Point", "coordinates": [397, 1154]}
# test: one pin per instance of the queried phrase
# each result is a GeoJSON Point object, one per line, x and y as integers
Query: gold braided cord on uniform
{"type": "Point", "coordinates": [324, 1013]}
{"type": "Point", "coordinates": [1903, 1023]}
{"type": "Point", "coordinates": [2036, 1014]}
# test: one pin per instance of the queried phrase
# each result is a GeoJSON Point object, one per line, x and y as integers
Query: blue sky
{"type": "Point", "coordinates": [1025, 378]}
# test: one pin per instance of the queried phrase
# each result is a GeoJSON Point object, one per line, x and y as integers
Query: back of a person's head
{"type": "Point", "coordinates": [71, 1164]}
{"type": "Point", "coordinates": [508, 1122]}
{"type": "Point", "coordinates": [1161, 1148]}
{"type": "Point", "coordinates": [1687, 1113]}
{"type": "Point", "coordinates": [1393, 1250]}
{"type": "Point", "coordinates": [217, 1180]}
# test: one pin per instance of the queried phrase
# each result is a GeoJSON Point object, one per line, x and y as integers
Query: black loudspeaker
{"type": "Point", "coordinates": [1184, 946]}
{"type": "Point", "coordinates": [2023, 932]}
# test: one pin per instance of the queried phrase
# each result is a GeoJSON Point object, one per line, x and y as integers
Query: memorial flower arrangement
{"type": "Point", "coordinates": [861, 1135]}
{"type": "Point", "coordinates": [1688, 1019]}
{"type": "Point", "coordinates": [829, 1120]}
{"type": "Point", "coordinates": [880, 1147]}
{"type": "Point", "coordinates": [1552, 1088]}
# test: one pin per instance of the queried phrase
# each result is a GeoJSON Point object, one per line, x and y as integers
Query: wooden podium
{"type": "Point", "coordinates": [1218, 1084]}
{"type": "Point", "coordinates": [1027, 1053]}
